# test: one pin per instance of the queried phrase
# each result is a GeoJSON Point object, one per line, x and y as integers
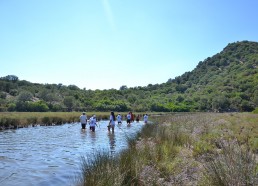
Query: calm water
{"type": "Point", "coordinates": [52, 155]}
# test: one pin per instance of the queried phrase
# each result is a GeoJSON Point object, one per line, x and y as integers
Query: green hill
{"type": "Point", "coordinates": [227, 81]}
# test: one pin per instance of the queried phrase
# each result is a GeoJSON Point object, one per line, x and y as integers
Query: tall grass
{"type": "Point", "coordinates": [235, 164]}
{"type": "Point", "coordinates": [100, 169]}
{"type": "Point", "coordinates": [182, 149]}
{"type": "Point", "coordinates": [135, 165]}
{"type": "Point", "coordinates": [24, 119]}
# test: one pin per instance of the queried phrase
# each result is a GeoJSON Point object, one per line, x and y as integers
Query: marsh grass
{"type": "Point", "coordinates": [100, 169]}
{"type": "Point", "coordinates": [12, 120]}
{"type": "Point", "coordinates": [143, 163]}
{"type": "Point", "coordinates": [235, 164]}
{"type": "Point", "coordinates": [24, 119]}
{"type": "Point", "coordinates": [185, 149]}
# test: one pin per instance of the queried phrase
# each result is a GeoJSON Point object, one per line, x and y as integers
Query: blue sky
{"type": "Point", "coordinates": [104, 44]}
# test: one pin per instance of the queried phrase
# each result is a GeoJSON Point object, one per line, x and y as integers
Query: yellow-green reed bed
{"type": "Point", "coordinates": [183, 149]}
{"type": "Point", "coordinates": [23, 119]}
{"type": "Point", "coordinates": [13, 120]}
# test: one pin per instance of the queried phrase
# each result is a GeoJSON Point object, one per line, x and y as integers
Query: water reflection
{"type": "Point", "coordinates": [93, 138]}
{"type": "Point", "coordinates": [51, 155]}
{"type": "Point", "coordinates": [83, 134]}
{"type": "Point", "coordinates": [112, 141]}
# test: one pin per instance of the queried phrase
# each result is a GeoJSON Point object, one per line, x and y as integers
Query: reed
{"type": "Point", "coordinates": [105, 168]}
{"type": "Point", "coordinates": [24, 119]}
{"type": "Point", "coordinates": [184, 149]}
{"type": "Point", "coordinates": [100, 168]}
{"type": "Point", "coordinates": [234, 164]}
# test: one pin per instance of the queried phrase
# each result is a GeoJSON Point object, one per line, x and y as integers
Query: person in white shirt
{"type": "Point", "coordinates": [112, 120]}
{"type": "Point", "coordinates": [128, 118]}
{"type": "Point", "coordinates": [145, 118]}
{"type": "Point", "coordinates": [93, 123]}
{"type": "Point", "coordinates": [119, 119]}
{"type": "Point", "coordinates": [83, 120]}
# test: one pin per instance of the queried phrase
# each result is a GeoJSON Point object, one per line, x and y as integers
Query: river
{"type": "Point", "coordinates": [51, 155]}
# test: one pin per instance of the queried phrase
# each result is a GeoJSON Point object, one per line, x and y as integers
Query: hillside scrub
{"type": "Point", "coordinates": [183, 149]}
{"type": "Point", "coordinates": [224, 82]}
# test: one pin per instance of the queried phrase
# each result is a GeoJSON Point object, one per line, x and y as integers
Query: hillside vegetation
{"type": "Point", "coordinates": [227, 81]}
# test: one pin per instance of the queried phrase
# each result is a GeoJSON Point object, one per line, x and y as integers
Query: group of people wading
{"type": "Point", "coordinates": [112, 120]}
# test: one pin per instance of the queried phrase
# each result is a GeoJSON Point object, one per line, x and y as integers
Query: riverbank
{"type": "Point", "coordinates": [182, 149]}
{"type": "Point", "coordinates": [14, 120]}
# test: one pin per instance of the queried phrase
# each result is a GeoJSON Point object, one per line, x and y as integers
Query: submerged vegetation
{"type": "Point", "coordinates": [182, 149]}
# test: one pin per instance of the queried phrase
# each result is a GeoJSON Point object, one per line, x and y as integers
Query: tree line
{"type": "Point", "coordinates": [227, 81]}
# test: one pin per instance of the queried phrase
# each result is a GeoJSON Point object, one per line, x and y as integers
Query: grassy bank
{"type": "Point", "coordinates": [13, 120]}
{"type": "Point", "coordinates": [24, 119]}
{"type": "Point", "coordinates": [182, 149]}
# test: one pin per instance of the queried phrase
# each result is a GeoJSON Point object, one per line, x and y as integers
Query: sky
{"type": "Point", "coordinates": [105, 44]}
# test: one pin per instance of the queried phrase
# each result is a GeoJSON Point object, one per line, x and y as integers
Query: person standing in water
{"type": "Point", "coordinates": [93, 123]}
{"type": "Point", "coordinates": [112, 120]}
{"type": "Point", "coordinates": [138, 118]}
{"type": "Point", "coordinates": [132, 117]}
{"type": "Point", "coordinates": [145, 118]}
{"type": "Point", "coordinates": [83, 120]}
{"type": "Point", "coordinates": [128, 118]}
{"type": "Point", "coordinates": [119, 119]}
